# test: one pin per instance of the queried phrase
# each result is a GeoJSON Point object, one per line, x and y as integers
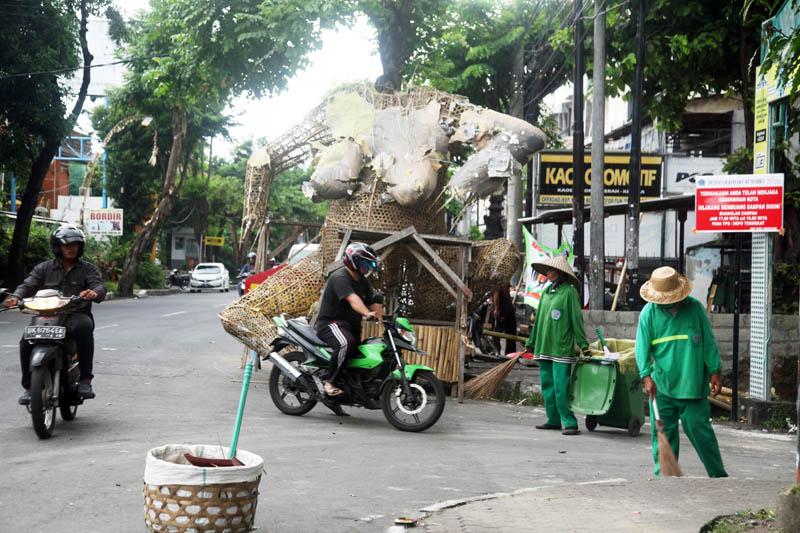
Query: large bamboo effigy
{"type": "Point", "coordinates": [381, 160]}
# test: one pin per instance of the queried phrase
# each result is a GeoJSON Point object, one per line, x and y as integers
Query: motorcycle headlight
{"type": "Point", "coordinates": [409, 336]}
{"type": "Point", "coordinates": [49, 303]}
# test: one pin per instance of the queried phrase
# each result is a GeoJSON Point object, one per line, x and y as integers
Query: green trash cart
{"type": "Point", "coordinates": [607, 396]}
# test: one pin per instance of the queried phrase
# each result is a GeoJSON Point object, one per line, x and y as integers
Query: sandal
{"type": "Point", "coordinates": [332, 390]}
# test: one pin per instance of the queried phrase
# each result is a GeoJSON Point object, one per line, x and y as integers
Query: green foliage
{"type": "Point", "coordinates": [739, 161]}
{"type": "Point", "coordinates": [472, 50]}
{"type": "Point", "coordinates": [149, 276]}
{"type": "Point", "coordinates": [742, 521]}
{"type": "Point", "coordinates": [40, 115]}
{"type": "Point", "coordinates": [107, 255]}
{"type": "Point", "coordinates": [287, 202]}
{"type": "Point", "coordinates": [38, 244]}
{"type": "Point", "coordinates": [782, 50]}
{"type": "Point", "coordinates": [475, 234]}
{"type": "Point", "coordinates": [693, 48]}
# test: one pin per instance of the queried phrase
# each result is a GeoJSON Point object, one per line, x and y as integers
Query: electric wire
{"type": "Point", "coordinates": [73, 69]}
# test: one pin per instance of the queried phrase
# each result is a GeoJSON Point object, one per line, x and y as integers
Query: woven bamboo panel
{"type": "Point", "coordinates": [292, 291]}
{"type": "Point", "coordinates": [207, 508]}
{"type": "Point", "coordinates": [441, 343]}
{"type": "Point", "coordinates": [493, 264]}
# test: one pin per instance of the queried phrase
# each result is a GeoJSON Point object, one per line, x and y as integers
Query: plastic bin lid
{"type": "Point", "coordinates": [591, 387]}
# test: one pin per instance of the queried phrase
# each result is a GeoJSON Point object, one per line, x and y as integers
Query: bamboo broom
{"type": "Point", "coordinates": [485, 385]}
{"type": "Point", "coordinates": [667, 460]}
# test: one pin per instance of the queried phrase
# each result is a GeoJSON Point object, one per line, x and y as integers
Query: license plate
{"type": "Point", "coordinates": [45, 332]}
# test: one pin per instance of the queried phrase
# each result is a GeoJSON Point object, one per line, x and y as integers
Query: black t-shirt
{"type": "Point", "coordinates": [334, 307]}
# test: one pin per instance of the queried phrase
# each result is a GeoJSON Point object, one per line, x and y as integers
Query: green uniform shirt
{"type": "Point", "coordinates": [678, 352]}
{"type": "Point", "coordinates": [558, 325]}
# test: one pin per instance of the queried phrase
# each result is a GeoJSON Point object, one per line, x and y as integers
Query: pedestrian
{"type": "Point", "coordinates": [557, 327]}
{"type": "Point", "coordinates": [504, 316]}
{"type": "Point", "coordinates": [677, 356]}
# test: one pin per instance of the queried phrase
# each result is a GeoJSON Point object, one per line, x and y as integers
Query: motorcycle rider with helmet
{"type": "Point", "coordinates": [71, 276]}
{"type": "Point", "coordinates": [346, 299]}
{"type": "Point", "coordinates": [250, 267]}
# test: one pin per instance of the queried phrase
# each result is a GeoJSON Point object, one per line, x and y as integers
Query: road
{"type": "Point", "coordinates": [166, 372]}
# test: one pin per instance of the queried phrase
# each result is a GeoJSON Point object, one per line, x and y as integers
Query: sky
{"type": "Point", "coordinates": [347, 55]}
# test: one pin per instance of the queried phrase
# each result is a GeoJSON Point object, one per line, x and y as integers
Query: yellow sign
{"type": "Point", "coordinates": [214, 241]}
{"type": "Point", "coordinates": [555, 177]}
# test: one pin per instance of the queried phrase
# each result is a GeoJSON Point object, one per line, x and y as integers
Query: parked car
{"type": "Point", "coordinates": [213, 276]}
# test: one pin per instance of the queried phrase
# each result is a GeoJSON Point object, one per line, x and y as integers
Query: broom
{"type": "Point", "coordinates": [484, 385]}
{"type": "Point", "coordinates": [667, 460]}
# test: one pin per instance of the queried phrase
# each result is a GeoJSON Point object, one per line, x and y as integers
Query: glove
{"type": "Point", "coordinates": [586, 355]}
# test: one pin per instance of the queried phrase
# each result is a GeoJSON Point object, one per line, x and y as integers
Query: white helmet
{"type": "Point", "coordinates": [251, 255]}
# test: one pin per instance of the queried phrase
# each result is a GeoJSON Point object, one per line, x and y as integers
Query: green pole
{"type": "Point", "coordinates": [237, 426]}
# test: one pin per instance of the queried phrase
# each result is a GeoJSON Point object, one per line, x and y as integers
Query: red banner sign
{"type": "Point", "coordinates": [739, 203]}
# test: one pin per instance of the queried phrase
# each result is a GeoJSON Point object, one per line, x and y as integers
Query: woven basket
{"type": "Point", "coordinates": [192, 508]}
{"type": "Point", "coordinates": [180, 497]}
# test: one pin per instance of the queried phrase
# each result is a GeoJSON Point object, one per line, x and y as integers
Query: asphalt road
{"type": "Point", "coordinates": [166, 372]}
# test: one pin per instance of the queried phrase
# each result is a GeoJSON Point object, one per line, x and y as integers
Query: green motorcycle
{"type": "Point", "coordinates": [411, 396]}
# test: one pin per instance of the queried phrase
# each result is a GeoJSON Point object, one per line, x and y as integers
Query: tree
{"type": "Point", "coordinates": [472, 53]}
{"type": "Point", "coordinates": [34, 126]}
{"type": "Point", "coordinates": [205, 53]}
{"type": "Point", "coordinates": [694, 48]}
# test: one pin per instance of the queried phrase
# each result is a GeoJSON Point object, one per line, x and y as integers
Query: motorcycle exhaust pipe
{"type": "Point", "coordinates": [285, 366]}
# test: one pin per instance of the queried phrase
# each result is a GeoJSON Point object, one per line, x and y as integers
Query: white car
{"type": "Point", "coordinates": [212, 276]}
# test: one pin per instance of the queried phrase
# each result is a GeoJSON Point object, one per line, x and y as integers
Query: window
{"type": "Point", "coordinates": [180, 243]}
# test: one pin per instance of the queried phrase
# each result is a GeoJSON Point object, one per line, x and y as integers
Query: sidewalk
{"type": "Point", "coordinates": [666, 505]}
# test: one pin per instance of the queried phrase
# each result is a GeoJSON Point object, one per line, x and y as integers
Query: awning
{"type": "Point", "coordinates": [684, 202]}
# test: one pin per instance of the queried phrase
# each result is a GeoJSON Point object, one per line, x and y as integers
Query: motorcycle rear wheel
{"type": "Point", "coordinates": [281, 388]}
{"type": "Point", "coordinates": [43, 411]}
{"type": "Point", "coordinates": [419, 410]}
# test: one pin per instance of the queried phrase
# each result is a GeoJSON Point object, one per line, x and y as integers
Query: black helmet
{"type": "Point", "coordinates": [360, 258]}
{"type": "Point", "coordinates": [65, 235]}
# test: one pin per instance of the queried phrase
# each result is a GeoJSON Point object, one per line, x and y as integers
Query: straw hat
{"type": "Point", "coordinates": [666, 286]}
{"type": "Point", "coordinates": [559, 263]}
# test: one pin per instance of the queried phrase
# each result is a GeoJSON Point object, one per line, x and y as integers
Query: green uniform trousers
{"type": "Point", "coordinates": [555, 389]}
{"type": "Point", "coordinates": [695, 418]}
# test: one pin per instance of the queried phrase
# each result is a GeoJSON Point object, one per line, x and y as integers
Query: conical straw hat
{"type": "Point", "coordinates": [666, 286]}
{"type": "Point", "coordinates": [559, 263]}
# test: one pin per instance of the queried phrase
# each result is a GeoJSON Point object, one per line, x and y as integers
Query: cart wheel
{"type": "Point", "coordinates": [591, 422]}
{"type": "Point", "coordinates": [634, 426]}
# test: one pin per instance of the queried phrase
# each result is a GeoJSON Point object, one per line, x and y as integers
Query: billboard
{"type": "Point", "coordinates": [555, 178]}
{"type": "Point", "coordinates": [739, 203]}
{"type": "Point", "coordinates": [103, 221]}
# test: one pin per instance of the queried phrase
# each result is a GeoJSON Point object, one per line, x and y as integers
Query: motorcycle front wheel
{"type": "Point", "coordinates": [291, 397]}
{"type": "Point", "coordinates": [418, 410]}
{"type": "Point", "coordinates": [43, 410]}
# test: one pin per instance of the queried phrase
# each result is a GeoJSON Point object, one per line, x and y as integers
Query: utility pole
{"type": "Point", "coordinates": [578, 165]}
{"type": "Point", "coordinates": [632, 240]}
{"type": "Point", "coordinates": [597, 242]}
{"type": "Point", "coordinates": [514, 198]}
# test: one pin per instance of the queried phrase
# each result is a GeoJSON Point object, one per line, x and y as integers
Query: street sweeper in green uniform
{"type": "Point", "coordinates": [677, 356]}
{"type": "Point", "coordinates": [557, 327]}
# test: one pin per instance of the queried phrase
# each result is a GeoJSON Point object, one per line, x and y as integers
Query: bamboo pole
{"type": "Point", "coordinates": [507, 336]}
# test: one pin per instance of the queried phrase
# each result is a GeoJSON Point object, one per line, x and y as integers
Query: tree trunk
{"type": "Point", "coordinates": [146, 237]}
{"type": "Point", "coordinates": [237, 253]}
{"type": "Point", "coordinates": [22, 226]}
{"type": "Point", "coordinates": [747, 85]}
{"type": "Point", "coordinates": [392, 21]}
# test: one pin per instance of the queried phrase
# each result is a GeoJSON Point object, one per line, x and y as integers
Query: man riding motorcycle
{"type": "Point", "coordinates": [347, 298]}
{"type": "Point", "coordinates": [70, 276]}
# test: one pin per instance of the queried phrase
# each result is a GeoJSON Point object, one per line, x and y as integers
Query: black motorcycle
{"type": "Point", "coordinates": [54, 362]}
{"type": "Point", "coordinates": [176, 279]}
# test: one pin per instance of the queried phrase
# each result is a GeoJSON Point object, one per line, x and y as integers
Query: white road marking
{"type": "Point", "coordinates": [106, 327]}
{"type": "Point", "coordinates": [218, 305]}
{"type": "Point", "coordinates": [173, 314]}
{"type": "Point", "coordinates": [108, 349]}
{"type": "Point", "coordinates": [9, 346]}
